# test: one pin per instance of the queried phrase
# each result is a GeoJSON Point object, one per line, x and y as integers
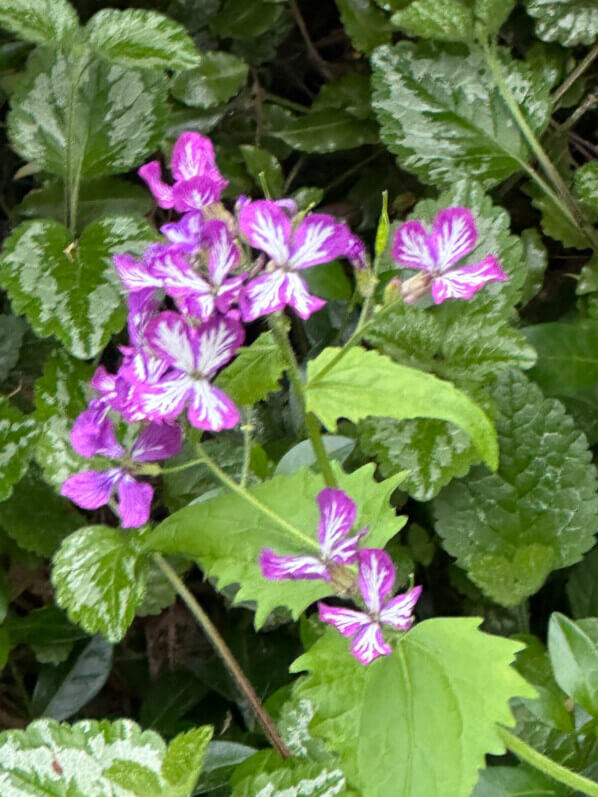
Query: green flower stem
{"type": "Point", "coordinates": [576, 73]}
{"type": "Point", "coordinates": [225, 654]}
{"type": "Point", "coordinates": [192, 463]}
{"type": "Point", "coordinates": [540, 762]}
{"type": "Point", "coordinates": [566, 201]}
{"type": "Point", "coordinates": [247, 429]}
{"type": "Point", "coordinates": [312, 425]}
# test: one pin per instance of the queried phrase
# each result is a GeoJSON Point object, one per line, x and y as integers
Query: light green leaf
{"type": "Point", "coordinates": [367, 26]}
{"type": "Point", "coordinates": [241, 20]}
{"type": "Point", "coordinates": [492, 13]}
{"type": "Point", "coordinates": [143, 39]}
{"type": "Point", "coordinates": [367, 383]}
{"type": "Point", "coordinates": [12, 329]}
{"type": "Point", "coordinates": [218, 77]}
{"type": "Point", "coordinates": [567, 356]}
{"type": "Point", "coordinates": [99, 578]}
{"type": "Point", "coordinates": [568, 22]}
{"type": "Point", "coordinates": [96, 758]}
{"type": "Point", "coordinates": [496, 525]}
{"type": "Point", "coordinates": [46, 22]}
{"type": "Point", "coordinates": [517, 781]}
{"type": "Point", "coordinates": [582, 586]}
{"type": "Point", "coordinates": [18, 436]}
{"type": "Point", "coordinates": [86, 118]}
{"type": "Point", "coordinates": [432, 452]}
{"type": "Point", "coordinates": [444, 20]}
{"type": "Point", "coordinates": [260, 160]}
{"type": "Point", "coordinates": [255, 372]}
{"type": "Point", "coordinates": [327, 131]}
{"type": "Point", "coordinates": [574, 659]}
{"type": "Point", "coordinates": [442, 115]}
{"type": "Point", "coordinates": [425, 696]}
{"type": "Point", "coordinates": [36, 517]}
{"type": "Point", "coordinates": [71, 290]}
{"type": "Point", "coordinates": [232, 558]}
{"type": "Point", "coordinates": [302, 455]}
{"type": "Point", "coordinates": [536, 258]}
{"type": "Point", "coordinates": [266, 774]}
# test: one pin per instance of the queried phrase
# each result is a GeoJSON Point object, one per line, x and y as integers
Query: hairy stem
{"type": "Point", "coordinates": [540, 762]}
{"type": "Point", "coordinates": [576, 73]}
{"type": "Point", "coordinates": [225, 654]}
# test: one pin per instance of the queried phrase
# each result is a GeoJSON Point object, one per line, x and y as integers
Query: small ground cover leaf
{"type": "Point", "coordinates": [497, 525]}
{"type": "Point", "coordinates": [567, 356]}
{"type": "Point", "coordinates": [327, 130]}
{"type": "Point", "coordinates": [18, 436]}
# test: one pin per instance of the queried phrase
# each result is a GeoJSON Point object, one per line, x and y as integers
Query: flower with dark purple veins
{"type": "Point", "coordinates": [337, 516]}
{"type": "Point", "coordinates": [93, 489]}
{"type": "Point", "coordinates": [193, 355]}
{"type": "Point", "coordinates": [318, 238]}
{"type": "Point", "coordinates": [453, 236]}
{"type": "Point", "coordinates": [376, 580]}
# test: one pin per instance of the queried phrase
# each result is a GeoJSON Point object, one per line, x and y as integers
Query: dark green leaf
{"type": "Point", "coordinates": [516, 782]}
{"type": "Point", "coordinates": [329, 281]}
{"type": "Point", "coordinates": [241, 20]}
{"type": "Point", "coordinates": [574, 659]}
{"type": "Point", "coordinates": [351, 93]}
{"type": "Point", "coordinates": [582, 587]}
{"type": "Point", "coordinates": [170, 697]}
{"type": "Point", "coordinates": [568, 22]}
{"type": "Point", "coordinates": [41, 627]}
{"type": "Point", "coordinates": [567, 356]}
{"type": "Point", "coordinates": [255, 372]}
{"type": "Point", "coordinates": [260, 161]}
{"type": "Point", "coordinates": [18, 436]}
{"type": "Point", "coordinates": [327, 131]}
{"type": "Point", "coordinates": [218, 77]}
{"type": "Point", "coordinates": [367, 26]}
{"type": "Point", "coordinates": [536, 258]}
{"type": "Point", "coordinates": [302, 455]}
{"type": "Point", "coordinates": [553, 221]}
{"type": "Point", "coordinates": [46, 22]}
{"type": "Point", "coordinates": [12, 329]}
{"type": "Point", "coordinates": [220, 761]}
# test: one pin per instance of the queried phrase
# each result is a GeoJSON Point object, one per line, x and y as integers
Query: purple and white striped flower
{"type": "Point", "coordinates": [319, 238]}
{"type": "Point", "coordinates": [193, 355]}
{"type": "Point", "coordinates": [93, 489]}
{"type": "Point", "coordinates": [453, 236]}
{"type": "Point", "coordinates": [337, 516]}
{"type": "Point", "coordinates": [376, 580]}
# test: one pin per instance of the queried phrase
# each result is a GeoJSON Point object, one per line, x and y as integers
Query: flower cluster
{"type": "Point", "coordinates": [375, 578]}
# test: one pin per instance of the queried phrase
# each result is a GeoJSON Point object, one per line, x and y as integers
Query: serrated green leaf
{"type": "Point", "coordinates": [99, 578]}
{"type": "Point", "coordinates": [568, 22]}
{"type": "Point", "coordinates": [232, 558]}
{"type": "Point", "coordinates": [260, 161]}
{"type": "Point", "coordinates": [141, 39]}
{"type": "Point", "coordinates": [574, 659]}
{"type": "Point", "coordinates": [46, 22]}
{"type": "Point", "coordinates": [367, 26]}
{"type": "Point", "coordinates": [12, 329]}
{"type": "Point", "coordinates": [218, 77]}
{"type": "Point", "coordinates": [582, 587]}
{"type": "Point", "coordinates": [86, 117]}
{"type": "Point", "coordinates": [92, 758]}
{"type": "Point", "coordinates": [36, 517]}
{"type": "Point", "coordinates": [432, 452]}
{"type": "Point", "coordinates": [517, 781]}
{"type": "Point", "coordinates": [184, 759]}
{"type": "Point", "coordinates": [497, 525]}
{"type": "Point", "coordinates": [265, 774]}
{"type": "Point", "coordinates": [351, 93]}
{"type": "Point", "coordinates": [367, 383]}
{"type": "Point", "coordinates": [241, 20]}
{"type": "Point", "coordinates": [567, 356]}
{"type": "Point", "coordinates": [18, 436]}
{"type": "Point", "coordinates": [327, 131]}
{"type": "Point", "coordinates": [586, 185]}
{"type": "Point", "coordinates": [425, 696]}
{"type": "Point", "coordinates": [255, 372]}
{"type": "Point", "coordinates": [536, 258]}
{"type": "Point", "coordinates": [444, 20]}
{"type": "Point", "coordinates": [553, 221]}
{"type": "Point", "coordinates": [71, 291]}
{"type": "Point", "coordinates": [441, 113]}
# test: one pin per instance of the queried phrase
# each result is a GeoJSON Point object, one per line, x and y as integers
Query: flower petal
{"type": "Point", "coordinates": [453, 236]}
{"type": "Point", "coordinates": [175, 273]}
{"type": "Point", "coordinates": [266, 226]}
{"type": "Point", "coordinates": [229, 293]}
{"type": "Point", "coordinates": [210, 408]}
{"type": "Point", "coordinates": [337, 516]}
{"type": "Point", "coordinates": [134, 274]}
{"type": "Point", "coordinates": [93, 434]}
{"type": "Point", "coordinates": [164, 400]}
{"type": "Point", "coordinates": [134, 501]}
{"type": "Point", "coordinates": [224, 255]}
{"type": "Point", "coordinates": [411, 246]}
{"type": "Point", "coordinates": [157, 441]}
{"type": "Point", "coordinates": [398, 611]}
{"type": "Point", "coordinates": [152, 174]}
{"type": "Point", "coordinates": [91, 489]}
{"type": "Point", "coordinates": [462, 283]}
{"type": "Point", "coordinates": [356, 253]}
{"type": "Point", "coordinates": [347, 621]}
{"type": "Point", "coordinates": [216, 343]}
{"type": "Point", "coordinates": [186, 231]}
{"type": "Point", "coordinates": [263, 295]}
{"type": "Point", "coordinates": [369, 644]}
{"type": "Point", "coordinates": [318, 239]}
{"type": "Point", "coordinates": [174, 340]}
{"type": "Point", "coordinates": [142, 309]}
{"type": "Point", "coordinates": [277, 568]}
{"type": "Point", "coordinates": [299, 298]}
{"type": "Point", "coordinates": [192, 154]}
{"type": "Point", "coordinates": [198, 192]}
{"type": "Point", "coordinates": [376, 577]}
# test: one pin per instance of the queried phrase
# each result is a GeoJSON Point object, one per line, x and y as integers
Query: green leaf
{"type": "Point", "coordinates": [12, 329]}
{"type": "Point", "coordinates": [43, 627]}
{"type": "Point", "coordinates": [265, 774]}
{"type": "Point", "coordinates": [568, 22]}
{"type": "Point", "coordinates": [255, 372]}
{"type": "Point", "coordinates": [260, 160]}
{"type": "Point", "coordinates": [219, 763]}
{"type": "Point", "coordinates": [159, 592]}
{"type": "Point", "coordinates": [492, 13]}
{"type": "Point", "coordinates": [366, 25]}
{"type": "Point", "coordinates": [567, 356]}
{"type": "Point", "coordinates": [86, 118]}
{"type": "Point", "coordinates": [327, 131]}
{"type": "Point", "coordinates": [496, 525]}
{"type": "Point", "coordinates": [84, 676]}
{"type": "Point", "coordinates": [232, 558]}
{"type": "Point", "coordinates": [218, 77]}
{"type": "Point", "coordinates": [582, 586]}
{"type": "Point", "coordinates": [553, 221]}
{"type": "Point", "coordinates": [517, 782]}
{"type": "Point", "coordinates": [574, 659]}
{"type": "Point", "coordinates": [169, 698]}
{"type": "Point", "coordinates": [71, 291]}
{"type": "Point", "coordinates": [350, 93]}
{"type": "Point", "coordinates": [136, 38]}
{"type": "Point", "coordinates": [443, 116]}
{"type": "Point", "coordinates": [18, 436]}
{"type": "Point", "coordinates": [46, 22]}
{"type": "Point", "coordinates": [241, 20]}
{"type": "Point", "coordinates": [432, 452]}
{"type": "Point", "coordinates": [367, 383]}
{"type": "Point", "coordinates": [425, 696]}
{"type": "Point", "coordinates": [586, 185]}
{"type": "Point", "coordinates": [444, 20]}
{"type": "Point", "coordinates": [329, 281]}
{"type": "Point", "coordinates": [536, 257]}
{"type": "Point", "coordinates": [106, 196]}
{"type": "Point", "coordinates": [99, 578]}
{"type": "Point", "coordinates": [302, 455]}
{"type": "Point", "coordinates": [36, 517]}
{"type": "Point", "coordinates": [97, 758]}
